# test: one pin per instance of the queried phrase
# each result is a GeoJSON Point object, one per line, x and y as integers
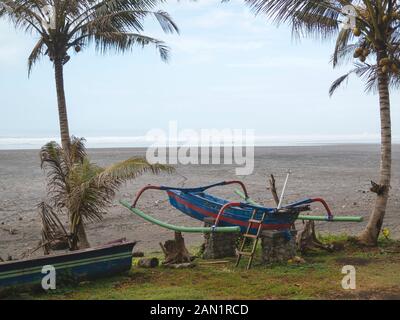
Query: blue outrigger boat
{"type": "Point", "coordinates": [78, 265]}
{"type": "Point", "coordinates": [198, 204]}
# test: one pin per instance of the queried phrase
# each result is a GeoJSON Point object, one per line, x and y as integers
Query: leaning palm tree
{"type": "Point", "coordinates": [65, 25]}
{"type": "Point", "coordinates": [82, 190]}
{"type": "Point", "coordinates": [374, 40]}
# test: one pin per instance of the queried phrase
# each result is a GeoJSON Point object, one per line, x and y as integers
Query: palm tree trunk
{"type": "Point", "coordinates": [371, 233]}
{"type": "Point", "coordinates": [65, 137]}
{"type": "Point", "coordinates": [83, 241]}
{"type": "Point", "coordinates": [62, 105]}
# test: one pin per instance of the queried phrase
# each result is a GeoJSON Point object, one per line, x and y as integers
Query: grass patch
{"type": "Point", "coordinates": [319, 277]}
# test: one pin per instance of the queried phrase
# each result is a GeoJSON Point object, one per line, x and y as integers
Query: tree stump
{"type": "Point", "coordinates": [148, 263]}
{"type": "Point", "coordinates": [307, 239]}
{"type": "Point", "coordinates": [175, 250]}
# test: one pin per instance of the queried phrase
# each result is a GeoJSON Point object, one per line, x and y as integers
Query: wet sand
{"type": "Point", "coordinates": [339, 173]}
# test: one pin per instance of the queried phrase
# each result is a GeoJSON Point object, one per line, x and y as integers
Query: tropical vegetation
{"type": "Point", "coordinates": [82, 190]}
{"type": "Point", "coordinates": [73, 25]}
{"type": "Point", "coordinates": [374, 41]}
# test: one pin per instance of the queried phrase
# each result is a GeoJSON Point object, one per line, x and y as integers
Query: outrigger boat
{"type": "Point", "coordinates": [198, 204]}
{"type": "Point", "coordinates": [78, 265]}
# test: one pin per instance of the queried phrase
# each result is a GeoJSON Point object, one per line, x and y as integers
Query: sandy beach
{"type": "Point", "coordinates": [339, 173]}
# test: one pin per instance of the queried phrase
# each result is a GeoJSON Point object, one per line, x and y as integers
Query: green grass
{"type": "Point", "coordinates": [320, 277]}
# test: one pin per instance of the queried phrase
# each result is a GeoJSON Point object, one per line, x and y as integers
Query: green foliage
{"type": "Point", "coordinates": [82, 189]}
{"type": "Point", "coordinates": [375, 37]}
{"type": "Point", "coordinates": [75, 24]}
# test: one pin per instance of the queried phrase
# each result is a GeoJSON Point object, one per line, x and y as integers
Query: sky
{"type": "Point", "coordinates": [228, 69]}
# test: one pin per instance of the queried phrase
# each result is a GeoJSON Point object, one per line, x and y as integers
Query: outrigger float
{"type": "Point", "coordinates": [233, 216]}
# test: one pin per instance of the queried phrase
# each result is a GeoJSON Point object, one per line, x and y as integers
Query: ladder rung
{"type": "Point", "coordinates": [255, 221]}
{"type": "Point", "coordinates": [244, 253]}
{"type": "Point", "coordinates": [247, 235]}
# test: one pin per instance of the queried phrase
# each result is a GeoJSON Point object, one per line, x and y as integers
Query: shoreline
{"type": "Point", "coordinates": [37, 147]}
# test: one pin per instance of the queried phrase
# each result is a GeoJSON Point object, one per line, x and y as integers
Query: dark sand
{"type": "Point", "coordinates": [339, 173]}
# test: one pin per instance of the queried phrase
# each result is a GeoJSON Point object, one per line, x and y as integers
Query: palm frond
{"type": "Point", "coordinates": [343, 50]}
{"type": "Point", "coordinates": [318, 17]}
{"type": "Point", "coordinates": [77, 152]}
{"type": "Point", "coordinates": [130, 169]}
{"type": "Point", "coordinates": [110, 24]}
{"type": "Point", "coordinates": [52, 228]}
{"type": "Point", "coordinates": [338, 82]}
{"type": "Point", "coordinates": [166, 22]}
{"type": "Point", "coordinates": [56, 165]}
{"type": "Point", "coordinates": [122, 42]}
{"type": "Point", "coordinates": [35, 54]}
{"type": "Point", "coordinates": [365, 71]}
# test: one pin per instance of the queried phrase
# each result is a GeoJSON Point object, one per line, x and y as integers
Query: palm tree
{"type": "Point", "coordinates": [374, 40]}
{"type": "Point", "coordinates": [64, 25]}
{"type": "Point", "coordinates": [81, 189]}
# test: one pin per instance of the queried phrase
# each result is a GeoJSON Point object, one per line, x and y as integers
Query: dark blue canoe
{"type": "Point", "coordinates": [77, 265]}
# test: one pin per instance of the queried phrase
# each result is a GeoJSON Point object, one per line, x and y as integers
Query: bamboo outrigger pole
{"type": "Point", "coordinates": [304, 217]}
{"type": "Point", "coordinates": [178, 228]}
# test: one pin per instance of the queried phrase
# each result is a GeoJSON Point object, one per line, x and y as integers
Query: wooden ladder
{"type": "Point", "coordinates": [252, 221]}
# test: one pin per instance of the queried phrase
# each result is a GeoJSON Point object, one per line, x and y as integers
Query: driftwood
{"type": "Point", "coordinates": [175, 250]}
{"type": "Point", "coordinates": [213, 262]}
{"type": "Point", "coordinates": [272, 187]}
{"type": "Point", "coordinates": [9, 230]}
{"type": "Point", "coordinates": [148, 263]}
{"type": "Point", "coordinates": [138, 254]}
{"type": "Point", "coordinates": [307, 239]}
{"type": "Point", "coordinates": [180, 265]}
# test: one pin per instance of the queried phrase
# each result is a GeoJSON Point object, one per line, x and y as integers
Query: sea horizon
{"type": "Point", "coordinates": [104, 142]}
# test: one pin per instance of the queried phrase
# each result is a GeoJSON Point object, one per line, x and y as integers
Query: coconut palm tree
{"type": "Point", "coordinates": [65, 25]}
{"type": "Point", "coordinates": [81, 189]}
{"type": "Point", "coordinates": [374, 40]}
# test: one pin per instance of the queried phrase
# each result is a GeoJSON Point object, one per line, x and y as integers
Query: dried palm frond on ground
{"type": "Point", "coordinates": [54, 235]}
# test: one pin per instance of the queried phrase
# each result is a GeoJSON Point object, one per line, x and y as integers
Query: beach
{"type": "Point", "coordinates": [340, 174]}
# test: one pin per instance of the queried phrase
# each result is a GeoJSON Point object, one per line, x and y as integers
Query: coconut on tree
{"type": "Point", "coordinates": [65, 25]}
{"type": "Point", "coordinates": [374, 41]}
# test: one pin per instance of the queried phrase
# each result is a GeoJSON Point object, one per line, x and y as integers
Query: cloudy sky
{"type": "Point", "coordinates": [228, 69]}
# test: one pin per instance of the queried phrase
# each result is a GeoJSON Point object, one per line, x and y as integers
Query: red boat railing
{"type": "Point", "coordinates": [200, 189]}
{"type": "Point", "coordinates": [323, 202]}
{"type": "Point", "coordinates": [222, 210]}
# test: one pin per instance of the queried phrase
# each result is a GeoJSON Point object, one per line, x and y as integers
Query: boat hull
{"type": "Point", "coordinates": [73, 266]}
{"type": "Point", "coordinates": [201, 205]}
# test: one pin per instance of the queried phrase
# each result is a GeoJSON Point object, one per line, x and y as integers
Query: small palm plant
{"type": "Point", "coordinates": [66, 25]}
{"type": "Point", "coordinates": [81, 189]}
{"type": "Point", "coordinates": [374, 40]}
